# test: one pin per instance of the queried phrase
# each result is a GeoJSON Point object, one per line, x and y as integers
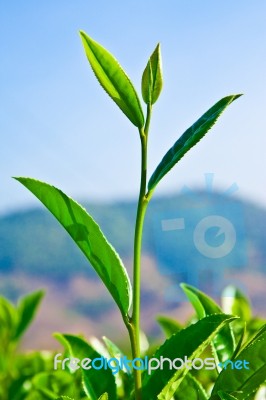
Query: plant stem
{"type": "Point", "coordinates": [134, 325]}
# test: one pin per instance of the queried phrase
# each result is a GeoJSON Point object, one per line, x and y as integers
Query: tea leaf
{"type": "Point", "coordinates": [51, 384]}
{"type": "Point", "coordinates": [190, 388]}
{"type": "Point", "coordinates": [103, 397]}
{"type": "Point", "coordinates": [89, 238]}
{"type": "Point", "coordinates": [226, 396]}
{"type": "Point", "coordinates": [189, 139]}
{"type": "Point", "coordinates": [8, 316]}
{"type": "Point", "coordinates": [123, 378]}
{"type": "Point", "coordinates": [243, 380]}
{"type": "Point", "coordinates": [113, 79]}
{"type": "Point", "coordinates": [189, 342]}
{"type": "Point", "coordinates": [223, 342]}
{"type": "Point", "coordinates": [64, 398]}
{"type": "Point", "coordinates": [95, 381]}
{"type": "Point", "coordinates": [27, 308]}
{"type": "Point", "coordinates": [152, 78]}
{"type": "Point", "coordinates": [168, 325]}
{"type": "Point", "coordinates": [236, 303]}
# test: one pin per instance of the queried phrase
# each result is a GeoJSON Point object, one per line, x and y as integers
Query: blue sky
{"type": "Point", "coordinates": [59, 126]}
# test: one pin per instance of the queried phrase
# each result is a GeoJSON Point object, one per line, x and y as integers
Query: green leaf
{"type": "Point", "coordinates": [189, 342]}
{"type": "Point", "coordinates": [124, 379]}
{"type": "Point", "coordinates": [226, 396]}
{"type": "Point", "coordinates": [89, 238]}
{"type": "Point", "coordinates": [8, 316]}
{"type": "Point", "coordinates": [27, 309]}
{"type": "Point", "coordinates": [113, 80]}
{"type": "Point", "coordinates": [189, 139]}
{"type": "Point", "coordinates": [190, 389]}
{"type": "Point", "coordinates": [236, 303]}
{"type": "Point", "coordinates": [152, 78]}
{"type": "Point", "coordinates": [223, 343]}
{"type": "Point", "coordinates": [168, 325]}
{"type": "Point", "coordinates": [112, 348]}
{"type": "Point", "coordinates": [95, 381]}
{"type": "Point", "coordinates": [245, 381]}
{"type": "Point", "coordinates": [51, 384]}
{"type": "Point", "coordinates": [104, 397]}
{"type": "Point", "coordinates": [254, 325]}
{"type": "Point", "coordinates": [240, 341]}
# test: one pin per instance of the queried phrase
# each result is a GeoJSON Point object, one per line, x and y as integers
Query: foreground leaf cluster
{"type": "Point", "coordinates": [32, 376]}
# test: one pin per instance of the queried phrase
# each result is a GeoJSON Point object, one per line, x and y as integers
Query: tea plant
{"type": "Point", "coordinates": [213, 326]}
{"type": "Point", "coordinates": [31, 376]}
{"type": "Point", "coordinates": [28, 376]}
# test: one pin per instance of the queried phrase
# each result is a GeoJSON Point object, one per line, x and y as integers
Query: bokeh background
{"type": "Point", "coordinates": [59, 126]}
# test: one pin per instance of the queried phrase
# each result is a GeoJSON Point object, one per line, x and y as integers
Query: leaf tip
{"type": "Point", "coordinates": [18, 178]}
{"type": "Point", "coordinates": [82, 35]}
{"type": "Point", "coordinates": [238, 95]}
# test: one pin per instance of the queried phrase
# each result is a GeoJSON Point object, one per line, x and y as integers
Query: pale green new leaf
{"type": "Point", "coordinates": [189, 139]}
{"type": "Point", "coordinates": [245, 381]}
{"type": "Point", "coordinates": [224, 342]}
{"type": "Point", "coordinates": [190, 389]}
{"type": "Point", "coordinates": [236, 303]}
{"type": "Point", "coordinates": [95, 381]}
{"type": "Point", "coordinates": [189, 342]}
{"type": "Point", "coordinates": [152, 78]}
{"type": "Point", "coordinates": [113, 79]}
{"type": "Point", "coordinates": [8, 316]}
{"type": "Point", "coordinates": [123, 378]}
{"type": "Point", "coordinates": [104, 397]}
{"type": "Point", "coordinates": [168, 325]}
{"type": "Point", "coordinates": [26, 311]}
{"type": "Point", "coordinates": [89, 238]}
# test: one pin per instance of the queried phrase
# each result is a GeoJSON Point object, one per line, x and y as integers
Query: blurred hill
{"type": "Point", "coordinates": [36, 252]}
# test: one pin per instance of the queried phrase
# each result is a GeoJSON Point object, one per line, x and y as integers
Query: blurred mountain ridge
{"type": "Point", "coordinates": [32, 241]}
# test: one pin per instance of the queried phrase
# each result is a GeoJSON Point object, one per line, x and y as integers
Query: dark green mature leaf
{"type": "Point", "coordinates": [89, 238]}
{"type": "Point", "coordinates": [189, 342]}
{"type": "Point", "coordinates": [168, 325]}
{"type": "Point", "coordinates": [152, 78]}
{"type": "Point", "coordinates": [226, 396]}
{"type": "Point", "coordinates": [96, 382]}
{"type": "Point", "coordinates": [113, 80]}
{"type": "Point", "coordinates": [27, 309]}
{"type": "Point", "coordinates": [189, 139]}
{"type": "Point", "coordinates": [245, 381]}
{"type": "Point", "coordinates": [223, 343]}
{"type": "Point", "coordinates": [190, 389]}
